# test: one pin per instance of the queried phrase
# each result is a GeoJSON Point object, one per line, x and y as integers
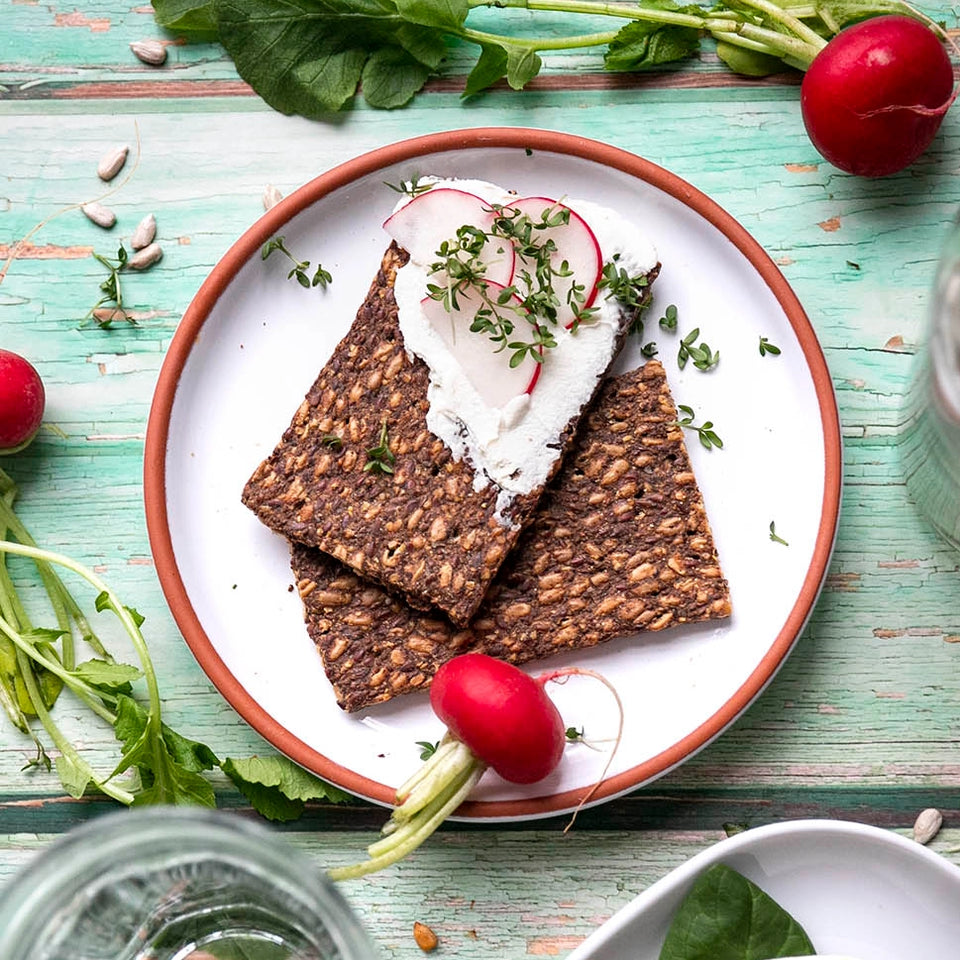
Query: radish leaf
{"type": "Point", "coordinates": [277, 787]}
{"type": "Point", "coordinates": [448, 14]}
{"type": "Point", "coordinates": [489, 68]}
{"type": "Point", "coordinates": [523, 65]}
{"type": "Point", "coordinates": [308, 56]}
{"type": "Point", "coordinates": [74, 778]}
{"type": "Point", "coordinates": [641, 45]}
{"type": "Point", "coordinates": [748, 63]}
{"type": "Point", "coordinates": [190, 16]}
{"type": "Point", "coordinates": [726, 917]}
{"type": "Point", "coordinates": [391, 77]}
{"type": "Point", "coordinates": [112, 677]}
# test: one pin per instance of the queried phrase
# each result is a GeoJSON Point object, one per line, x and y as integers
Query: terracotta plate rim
{"type": "Point", "coordinates": [267, 226]}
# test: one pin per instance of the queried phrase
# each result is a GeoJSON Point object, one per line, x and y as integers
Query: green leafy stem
{"type": "Point", "coordinates": [157, 765]}
{"type": "Point", "coordinates": [309, 56]}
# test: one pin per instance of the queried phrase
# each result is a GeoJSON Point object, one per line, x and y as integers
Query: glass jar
{"type": "Point", "coordinates": [931, 440]}
{"type": "Point", "coordinates": [175, 883]}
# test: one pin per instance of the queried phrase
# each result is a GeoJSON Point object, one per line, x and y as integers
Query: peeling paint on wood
{"type": "Point", "coordinates": [78, 19]}
{"type": "Point", "coordinates": [47, 251]}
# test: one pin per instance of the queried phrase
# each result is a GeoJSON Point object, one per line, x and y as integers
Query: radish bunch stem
{"type": "Point", "coordinates": [434, 792]}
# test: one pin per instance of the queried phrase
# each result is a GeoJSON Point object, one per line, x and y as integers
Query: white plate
{"type": "Point", "coordinates": [251, 344]}
{"type": "Point", "coordinates": [856, 890]}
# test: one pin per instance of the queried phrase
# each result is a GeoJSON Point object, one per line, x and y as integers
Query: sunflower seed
{"type": "Point", "coordinates": [150, 51]}
{"type": "Point", "coordinates": [927, 825]}
{"type": "Point", "coordinates": [100, 215]}
{"type": "Point", "coordinates": [111, 163]}
{"type": "Point", "coordinates": [271, 196]}
{"type": "Point", "coordinates": [146, 257]}
{"type": "Point", "coordinates": [145, 232]}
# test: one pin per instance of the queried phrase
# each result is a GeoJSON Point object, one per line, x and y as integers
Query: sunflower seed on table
{"type": "Point", "coordinates": [146, 257]}
{"type": "Point", "coordinates": [152, 52]}
{"type": "Point", "coordinates": [102, 216]}
{"type": "Point", "coordinates": [927, 825]}
{"type": "Point", "coordinates": [271, 196]}
{"type": "Point", "coordinates": [111, 163]}
{"type": "Point", "coordinates": [144, 234]}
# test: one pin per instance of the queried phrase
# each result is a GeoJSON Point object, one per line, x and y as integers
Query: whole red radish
{"type": "Point", "coordinates": [21, 402]}
{"type": "Point", "coordinates": [503, 715]}
{"type": "Point", "coordinates": [497, 716]}
{"type": "Point", "coordinates": [873, 98]}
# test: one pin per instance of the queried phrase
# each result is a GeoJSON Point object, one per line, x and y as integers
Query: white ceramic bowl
{"type": "Point", "coordinates": [857, 890]}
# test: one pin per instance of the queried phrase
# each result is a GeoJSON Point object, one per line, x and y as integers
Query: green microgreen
{"type": "Point", "coordinates": [767, 347]}
{"type": "Point", "coordinates": [573, 735]}
{"type": "Point", "coordinates": [705, 431]}
{"type": "Point", "coordinates": [112, 291]}
{"type": "Point", "coordinates": [668, 321]}
{"type": "Point", "coordinates": [702, 356]}
{"type": "Point", "coordinates": [380, 458]}
{"type": "Point", "coordinates": [321, 277]}
{"type": "Point", "coordinates": [774, 536]}
{"type": "Point", "coordinates": [517, 318]}
{"type": "Point", "coordinates": [156, 764]}
{"type": "Point", "coordinates": [427, 749]}
{"type": "Point", "coordinates": [331, 440]}
{"type": "Point", "coordinates": [649, 349]}
{"type": "Point", "coordinates": [627, 290]}
{"type": "Point", "coordinates": [521, 318]}
{"type": "Point", "coordinates": [411, 188]}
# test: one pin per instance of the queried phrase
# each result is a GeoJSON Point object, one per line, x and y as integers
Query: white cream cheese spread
{"type": "Point", "coordinates": [515, 445]}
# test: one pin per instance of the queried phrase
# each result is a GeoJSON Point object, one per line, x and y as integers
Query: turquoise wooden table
{"type": "Point", "coordinates": [861, 723]}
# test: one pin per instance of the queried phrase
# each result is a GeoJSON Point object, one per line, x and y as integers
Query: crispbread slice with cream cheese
{"type": "Point", "coordinates": [428, 526]}
{"type": "Point", "coordinates": [620, 543]}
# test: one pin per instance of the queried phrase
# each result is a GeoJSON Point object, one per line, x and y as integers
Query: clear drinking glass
{"type": "Point", "coordinates": [931, 443]}
{"type": "Point", "coordinates": [175, 883]}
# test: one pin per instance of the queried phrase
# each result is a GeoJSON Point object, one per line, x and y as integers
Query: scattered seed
{"type": "Point", "coordinates": [150, 51]}
{"type": "Point", "coordinates": [111, 163]}
{"type": "Point", "coordinates": [146, 257]}
{"type": "Point", "coordinates": [100, 215]}
{"type": "Point", "coordinates": [145, 232]}
{"type": "Point", "coordinates": [271, 196]}
{"type": "Point", "coordinates": [927, 825]}
{"type": "Point", "coordinates": [425, 937]}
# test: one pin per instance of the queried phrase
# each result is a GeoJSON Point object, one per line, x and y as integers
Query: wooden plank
{"type": "Point", "coordinates": [869, 691]}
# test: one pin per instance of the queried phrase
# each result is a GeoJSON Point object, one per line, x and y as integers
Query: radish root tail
{"type": "Point", "coordinates": [560, 676]}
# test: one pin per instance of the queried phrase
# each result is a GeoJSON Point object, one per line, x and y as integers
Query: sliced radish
{"type": "Point", "coordinates": [576, 243]}
{"type": "Point", "coordinates": [436, 215]}
{"type": "Point", "coordinates": [489, 371]}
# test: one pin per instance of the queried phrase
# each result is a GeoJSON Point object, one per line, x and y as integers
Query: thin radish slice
{"type": "Point", "coordinates": [576, 244]}
{"type": "Point", "coordinates": [487, 370]}
{"type": "Point", "coordinates": [436, 215]}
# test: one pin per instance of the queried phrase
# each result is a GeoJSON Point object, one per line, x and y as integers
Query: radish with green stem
{"type": "Point", "coordinates": [397, 46]}
{"type": "Point", "coordinates": [22, 402]}
{"type": "Point", "coordinates": [497, 716]}
{"type": "Point", "coordinates": [874, 97]}
{"type": "Point", "coordinates": [38, 663]}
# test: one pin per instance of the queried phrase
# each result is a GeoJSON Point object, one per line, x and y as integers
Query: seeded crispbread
{"type": "Point", "coordinates": [620, 543]}
{"type": "Point", "coordinates": [426, 530]}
